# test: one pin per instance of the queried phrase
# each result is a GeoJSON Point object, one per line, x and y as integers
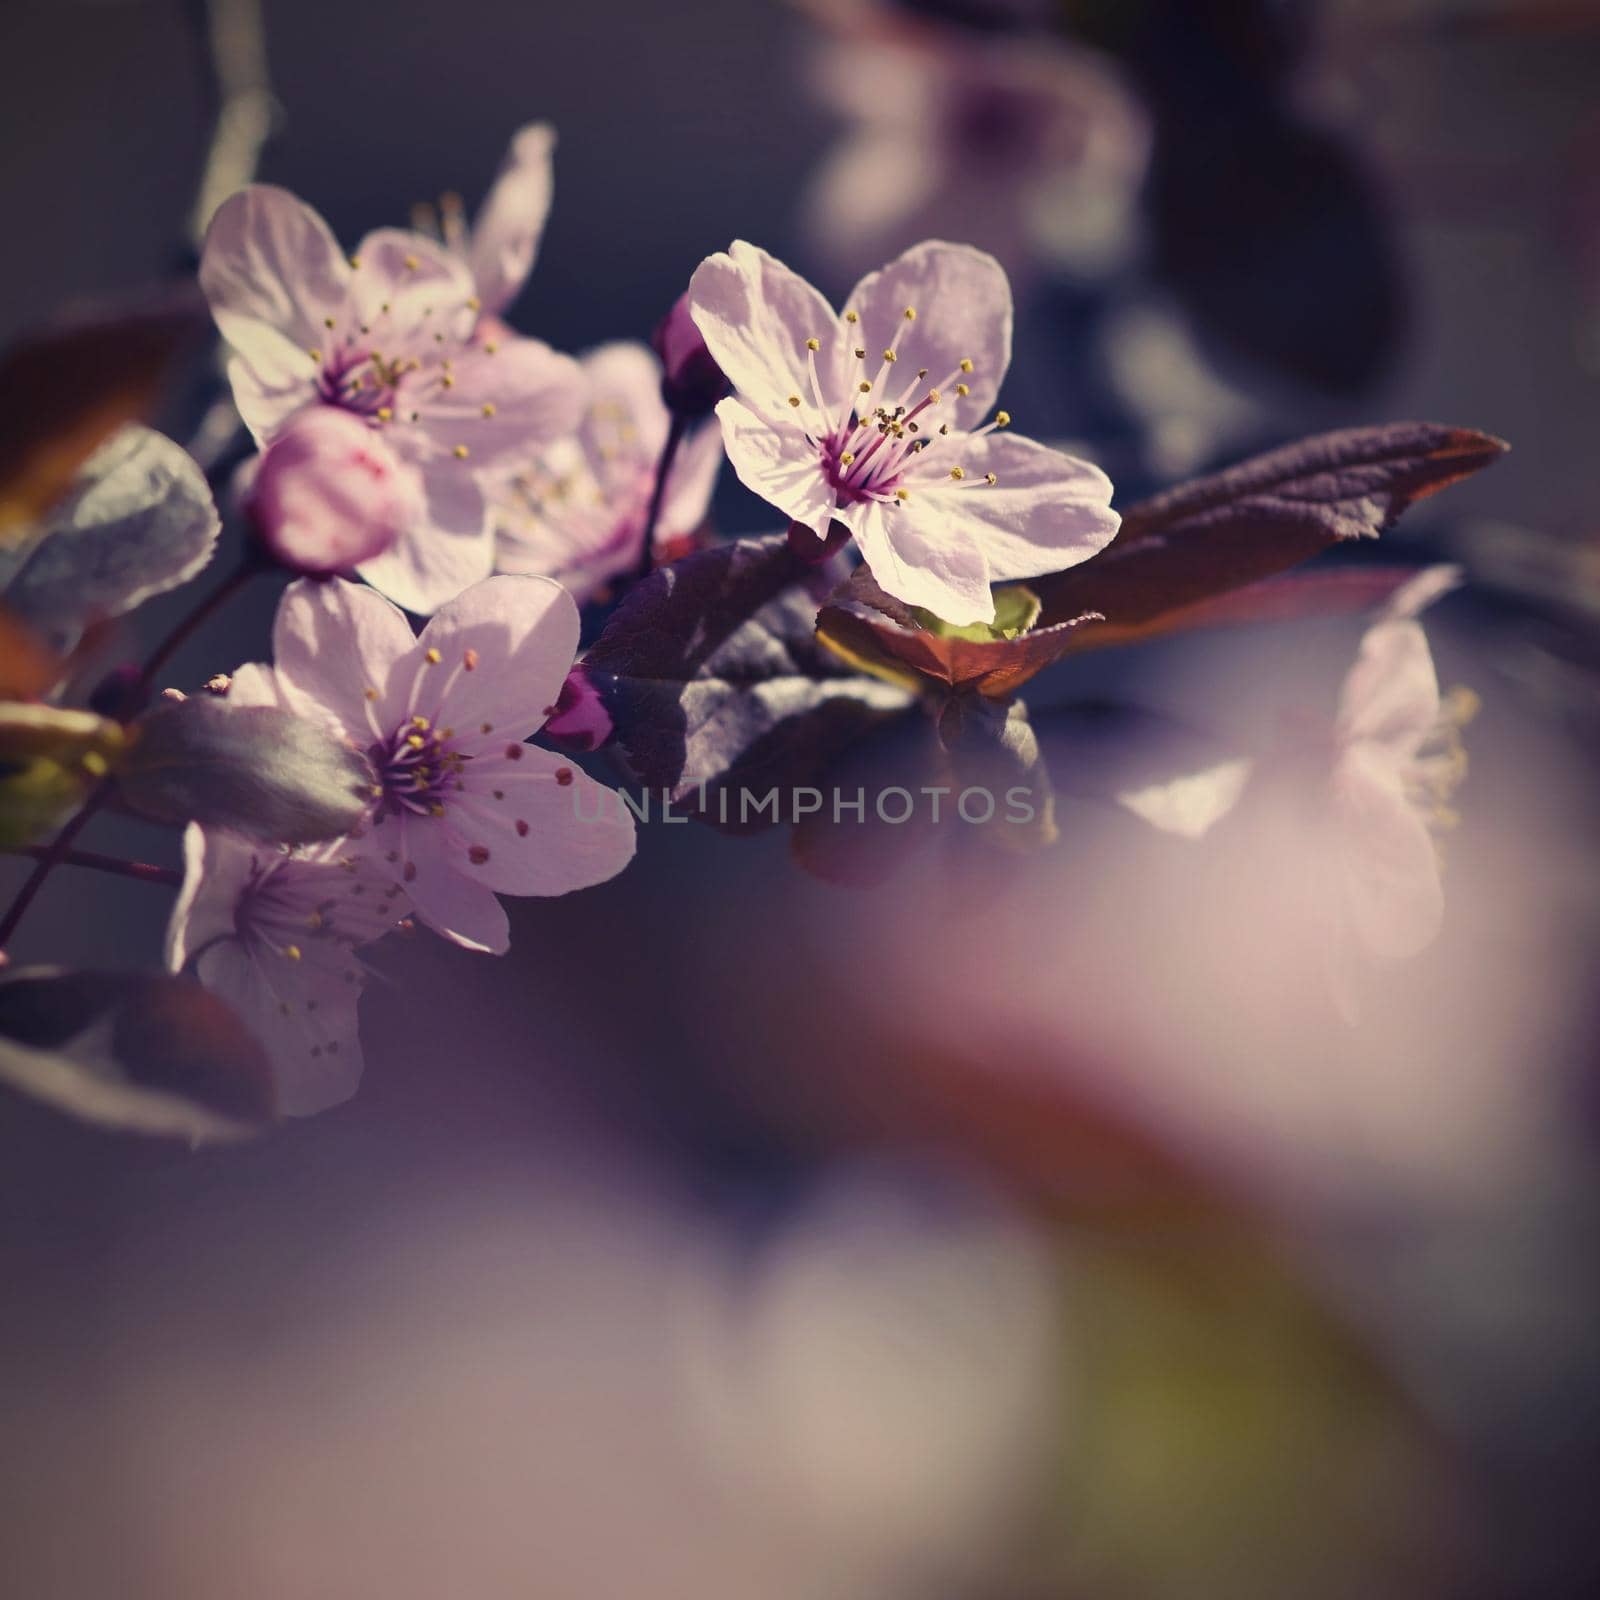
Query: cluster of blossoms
{"type": "Point", "coordinates": [413, 451]}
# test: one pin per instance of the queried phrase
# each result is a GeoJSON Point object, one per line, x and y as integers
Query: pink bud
{"type": "Point", "coordinates": [691, 381]}
{"type": "Point", "coordinates": [328, 493]}
{"type": "Point", "coordinates": [580, 720]}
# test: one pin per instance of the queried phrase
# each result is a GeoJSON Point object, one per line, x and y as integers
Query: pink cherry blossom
{"type": "Point", "coordinates": [274, 932]}
{"type": "Point", "coordinates": [328, 493]}
{"type": "Point", "coordinates": [387, 335]}
{"type": "Point", "coordinates": [462, 807]}
{"type": "Point", "coordinates": [1033, 150]}
{"type": "Point", "coordinates": [577, 513]}
{"type": "Point", "coordinates": [873, 417]}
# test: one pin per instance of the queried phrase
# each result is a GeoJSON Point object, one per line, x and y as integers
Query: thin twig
{"type": "Point", "coordinates": [142, 871]}
{"type": "Point", "coordinates": [647, 556]}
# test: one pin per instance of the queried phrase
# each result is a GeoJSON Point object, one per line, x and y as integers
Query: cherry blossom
{"type": "Point", "coordinates": [462, 807]}
{"type": "Point", "coordinates": [577, 513]}
{"type": "Point", "coordinates": [386, 334]}
{"type": "Point", "coordinates": [274, 932]}
{"type": "Point", "coordinates": [873, 417]}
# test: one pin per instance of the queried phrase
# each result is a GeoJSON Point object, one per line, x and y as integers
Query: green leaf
{"type": "Point", "coordinates": [49, 760]}
{"type": "Point", "coordinates": [1016, 609]}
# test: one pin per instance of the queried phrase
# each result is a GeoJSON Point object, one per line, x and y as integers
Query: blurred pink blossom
{"type": "Point", "coordinates": [1033, 150]}
{"type": "Point", "coordinates": [940, 504]}
{"type": "Point", "coordinates": [577, 512]}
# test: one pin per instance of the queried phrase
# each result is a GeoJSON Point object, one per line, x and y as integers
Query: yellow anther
{"type": "Point", "coordinates": [846, 459]}
{"type": "Point", "coordinates": [813, 344]}
{"type": "Point", "coordinates": [371, 694]}
{"type": "Point", "coordinates": [958, 473]}
{"type": "Point", "coordinates": [412, 263]}
{"type": "Point", "coordinates": [95, 764]}
{"type": "Point", "coordinates": [355, 262]}
{"type": "Point", "coordinates": [314, 921]}
{"type": "Point", "coordinates": [447, 381]}
{"type": "Point", "coordinates": [327, 322]}
{"type": "Point", "coordinates": [474, 303]}
{"type": "Point", "coordinates": [910, 313]}
{"type": "Point", "coordinates": [314, 353]}
{"type": "Point", "coordinates": [432, 656]}
{"type": "Point", "coordinates": [889, 355]}
{"type": "Point", "coordinates": [385, 414]}
{"type": "Point", "coordinates": [902, 494]}
{"type": "Point", "coordinates": [934, 398]}
{"type": "Point", "coordinates": [850, 316]}
{"type": "Point", "coordinates": [292, 951]}
{"type": "Point", "coordinates": [488, 408]}
{"type": "Point", "coordinates": [966, 364]}
{"type": "Point", "coordinates": [461, 452]}
{"type": "Point", "coordinates": [990, 478]}
{"type": "Point", "coordinates": [963, 390]}
{"type": "Point", "coordinates": [416, 741]}
{"type": "Point", "coordinates": [1002, 419]}
{"type": "Point", "coordinates": [489, 347]}
{"type": "Point", "coordinates": [864, 387]}
{"type": "Point", "coordinates": [794, 399]}
{"type": "Point", "coordinates": [420, 722]}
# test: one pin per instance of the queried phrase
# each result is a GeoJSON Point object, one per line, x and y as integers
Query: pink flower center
{"type": "Point", "coordinates": [416, 766]}
{"type": "Point", "coordinates": [889, 428]}
{"type": "Point", "coordinates": [361, 381]}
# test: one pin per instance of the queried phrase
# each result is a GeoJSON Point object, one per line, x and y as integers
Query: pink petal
{"type": "Point", "coordinates": [1046, 511]}
{"type": "Point", "coordinates": [755, 316]}
{"type": "Point", "coordinates": [963, 306]}
{"type": "Point", "coordinates": [331, 642]}
{"type": "Point", "coordinates": [539, 826]}
{"type": "Point", "coordinates": [314, 1046]}
{"type": "Point", "coordinates": [624, 421]}
{"type": "Point", "coordinates": [216, 867]}
{"type": "Point", "coordinates": [264, 405]}
{"type": "Point", "coordinates": [1392, 894]}
{"type": "Point", "coordinates": [406, 289]}
{"type": "Point", "coordinates": [460, 908]}
{"type": "Point", "coordinates": [924, 556]}
{"type": "Point", "coordinates": [775, 460]}
{"type": "Point", "coordinates": [431, 564]}
{"type": "Point", "coordinates": [254, 684]}
{"type": "Point", "coordinates": [505, 647]}
{"type": "Point", "coordinates": [508, 396]}
{"type": "Point", "coordinates": [1390, 698]}
{"type": "Point", "coordinates": [272, 272]}
{"type": "Point", "coordinates": [510, 222]}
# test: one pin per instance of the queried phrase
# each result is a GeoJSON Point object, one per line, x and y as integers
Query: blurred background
{"type": "Point", "coordinates": [1013, 1237]}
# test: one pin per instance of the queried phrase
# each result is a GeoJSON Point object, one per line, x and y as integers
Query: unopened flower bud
{"type": "Point", "coordinates": [328, 493]}
{"type": "Point", "coordinates": [580, 720]}
{"type": "Point", "coordinates": [691, 382]}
